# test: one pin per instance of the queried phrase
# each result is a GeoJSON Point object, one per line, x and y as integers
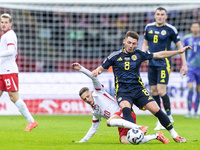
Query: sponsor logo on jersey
{"type": "Point", "coordinates": [150, 98]}
{"type": "Point", "coordinates": [163, 80]}
{"type": "Point", "coordinates": [163, 32]}
{"type": "Point", "coordinates": [119, 59]}
{"type": "Point", "coordinates": [157, 32]}
{"type": "Point", "coordinates": [151, 32]}
{"type": "Point", "coordinates": [134, 57]}
{"type": "Point", "coordinates": [127, 58]}
{"type": "Point", "coordinates": [119, 99]}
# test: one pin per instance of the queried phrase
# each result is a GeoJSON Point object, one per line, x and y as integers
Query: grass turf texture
{"type": "Point", "coordinates": [58, 132]}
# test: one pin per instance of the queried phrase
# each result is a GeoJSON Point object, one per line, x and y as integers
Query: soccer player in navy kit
{"type": "Point", "coordinates": [158, 37]}
{"type": "Point", "coordinates": [129, 88]}
{"type": "Point", "coordinates": [193, 63]}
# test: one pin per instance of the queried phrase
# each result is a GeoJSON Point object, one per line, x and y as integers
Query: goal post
{"type": "Point", "coordinates": [54, 34]}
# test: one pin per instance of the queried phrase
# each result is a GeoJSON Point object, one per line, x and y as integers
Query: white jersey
{"type": "Point", "coordinates": [8, 53]}
{"type": "Point", "coordinates": [104, 105]}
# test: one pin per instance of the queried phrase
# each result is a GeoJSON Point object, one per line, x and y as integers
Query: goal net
{"type": "Point", "coordinates": [52, 36]}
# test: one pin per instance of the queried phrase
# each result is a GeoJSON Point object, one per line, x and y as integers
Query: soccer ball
{"type": "Point", "coordinates": [135, 136]}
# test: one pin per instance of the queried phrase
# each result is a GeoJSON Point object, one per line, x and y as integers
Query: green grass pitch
{"type": "Point", "coordinates": [58, 132]}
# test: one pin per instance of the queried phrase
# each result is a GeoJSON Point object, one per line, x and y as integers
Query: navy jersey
{"type": "Point", "coordinates": [126, 67]}
{"type": "Point", "coordinates": [159, 39]}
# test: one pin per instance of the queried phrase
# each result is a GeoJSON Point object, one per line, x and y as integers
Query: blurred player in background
{"type": "Point", "coordinates": [105, 106]}
{"type": "Point", "coordinates": [193, 63]}
{"type": "Point", "coordinates": [129, 88]}
{"type": "Point", "coordinates": [9, 69]}
{"type": "Point", "coordinates": [158, 37]}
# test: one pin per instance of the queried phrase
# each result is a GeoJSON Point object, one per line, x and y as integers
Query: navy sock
{"type": "Point", "coordinates": [164, 120]}
{"type": "Point", "coordinates": [157, 99]}
{"type": "Point", "coordinates": [127, 114]}
{"type": "Point", "coordinates": [166, 103]}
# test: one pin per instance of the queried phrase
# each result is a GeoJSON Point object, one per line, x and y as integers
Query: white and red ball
{"type": "Point", "coordinates": [135, 136]}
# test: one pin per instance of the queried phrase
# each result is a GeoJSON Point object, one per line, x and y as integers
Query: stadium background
{"type": "Point", "coordinates": [53, 35]}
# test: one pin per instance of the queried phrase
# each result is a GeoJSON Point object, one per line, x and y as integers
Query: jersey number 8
{"type": "Point", "coordinates": [155, 38]}
{"type": "Point", "coordinates": [127, 65]}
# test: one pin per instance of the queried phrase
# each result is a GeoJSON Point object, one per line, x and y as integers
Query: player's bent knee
{"type": "Point", "coordinates": [154, 92]}
{"type": "Point", "coordinates": [108, 123]}
{"type": "Point", "coordinates": [161, 93]}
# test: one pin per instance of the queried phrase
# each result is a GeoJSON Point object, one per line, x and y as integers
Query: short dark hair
{"type": "Point", "coordinates": [82, 90]}
{"type": "Point", "coordinates": [161, 8]}
{"type": "Point", "coordinates": [132, 34]}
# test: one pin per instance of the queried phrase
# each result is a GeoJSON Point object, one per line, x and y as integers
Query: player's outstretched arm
{"type": "Point", "coordinates": [165, 54]}
{"type": "Point", "coordinates": [145, 45]}
{"type": "Point", "coordinates": [184, 68]}
{"type": "Point", "coordinates": [98, 71]}
{"type": "Point", "coordinates": [96, 83]}
{"type": "Point", "coordinates": [93, 129]}
{"type": "Point", "coordinates": [76, 66]}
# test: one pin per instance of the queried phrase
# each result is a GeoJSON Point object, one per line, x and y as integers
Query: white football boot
{"type": "Point", "coordinates": [159, 126]}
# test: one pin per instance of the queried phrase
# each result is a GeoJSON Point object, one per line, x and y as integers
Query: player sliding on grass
{"type": "Point", "coordinates": [9, 69]}
{"type": "Point", "coordinates": [129, 88]}
{"type": "Point", "coordinates": [105, 106]}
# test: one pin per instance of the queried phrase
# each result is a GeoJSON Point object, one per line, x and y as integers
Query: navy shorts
{"type": "Point", "coordinates": [140, 97]}
{"type": "Point", "coordinates": [158, 75]}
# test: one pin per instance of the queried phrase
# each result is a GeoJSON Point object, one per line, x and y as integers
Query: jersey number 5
{"type": "Point", "coordinates": [155, 38]}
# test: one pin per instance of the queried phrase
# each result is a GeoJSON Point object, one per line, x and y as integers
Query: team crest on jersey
{"type": "Point", "coordinates": [119, 99]}
{"type": "Point", "coordinates": [134, 57]}
{"type": "Point", "coordinates": [163, 32]}
{"type": "Point", "coordinates": [157, 32]}
{"type": "Point", "coordinates": [96, 107]}
{"type": "Point", "coordinates": [199, 43]}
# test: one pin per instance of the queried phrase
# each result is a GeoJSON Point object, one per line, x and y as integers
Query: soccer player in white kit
{"type": "Point", "coordinates": [9, 69]}
{"type": "Point", "coordinates": [105, 106]}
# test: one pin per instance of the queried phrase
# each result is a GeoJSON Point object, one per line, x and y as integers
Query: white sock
{"type": "Point", "coordinates": [149, 138]}
{"type": "Point", "coordinates": [122, 123]}
{"type": "Point", "coordinates": [173, 133]}
{"type": "Point", "coordinates": [24, 110]}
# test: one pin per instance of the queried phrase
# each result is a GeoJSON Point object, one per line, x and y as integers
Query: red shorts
{"type": "Point", "coordinates": [123, 131]}
{"type": "Point", "coordinates": [9, 82]}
